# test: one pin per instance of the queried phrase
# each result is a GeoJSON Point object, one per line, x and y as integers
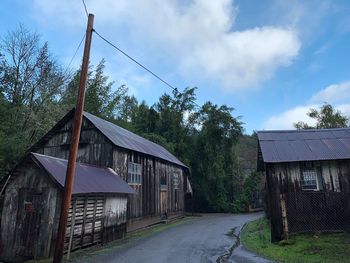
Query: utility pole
{"type": "Point", "coordinates": [78, 118]}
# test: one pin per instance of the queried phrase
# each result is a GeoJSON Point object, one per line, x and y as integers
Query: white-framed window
{"type": "Point", "coordinates": [176, 180]}
{"type": "Point", "coordinates": [309, 178]}
{"type": "Point", "coordinates": [134, 173]}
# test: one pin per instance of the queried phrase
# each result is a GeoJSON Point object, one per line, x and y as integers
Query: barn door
{"type": "Point", "coordinates": [28, 222]}
{"type": "Point", "coordinates": [163, 203]}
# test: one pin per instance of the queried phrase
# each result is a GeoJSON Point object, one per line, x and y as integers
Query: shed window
{"type": "Point", "coordinates": [163, 179]}
{"type": "Point", "coordinates": [309, 180]}
{"type": "Point", "coordinates": [134, 173]}
{"type": "Point", "coordinates": [176, 180]}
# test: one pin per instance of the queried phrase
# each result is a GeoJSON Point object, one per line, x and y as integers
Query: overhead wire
{"type": "Point", "coordinates": [75, 53]}
{"type": "Point", "coordinates": [86, 11]}
{"type": "Point", "coordinates": [133, 59]}
{"type": "Point", "coordinates": [138, 63]}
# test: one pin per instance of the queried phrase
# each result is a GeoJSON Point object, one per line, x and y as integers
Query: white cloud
{"type": "Point", "coordinates": [285, 120]}
{"type": "Point", "coordinates": [197, 37]}
{"type": "Point", "coordinates": [336, 94]}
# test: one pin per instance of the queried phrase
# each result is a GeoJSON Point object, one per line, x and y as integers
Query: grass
{"type": "Point", "coordinates": [81, 254]}
{"type": "Point", "coordinates": [306, 248]}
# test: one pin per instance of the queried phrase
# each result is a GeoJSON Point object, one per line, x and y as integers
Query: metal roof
{"type": "Point", "coordinates": [304, 145]}
{"type": "Point", "coordinates": [87, 179]}
{"type": "Point", "coordinates": [128, 140]}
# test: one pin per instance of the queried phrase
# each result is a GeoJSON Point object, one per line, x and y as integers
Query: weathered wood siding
{"type": "Point", "coordinates": [333, 175]}
{"type": "Point", "coordinates": [95, 218]}
{"type": "Point", "coordinates": [147, 201]}
{"type": "Point", "coordinates": [85, 221]}
{"type": "Point", "coordinates": [308, 210]}
{"type": "Point", "coordinates": [94, 147]}
{"type": "Point", "coordinates": [30, 215]}
{"type": "Point", "coordinates": [115, 218]}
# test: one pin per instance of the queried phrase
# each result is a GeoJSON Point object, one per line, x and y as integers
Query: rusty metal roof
{"type": "Point", "coordinates": [88, 178]}
{"type": "Point", "coordinates": [304, 145]}
{"type": "Point", "coordinates": [128, 140]}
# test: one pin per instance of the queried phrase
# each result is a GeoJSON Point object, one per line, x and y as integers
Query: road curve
{"type": "Point", "coordinates": [208, 238]}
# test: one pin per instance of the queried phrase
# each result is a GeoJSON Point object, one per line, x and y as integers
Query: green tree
{"type": "Point", "coordinates": [31, 82]}
{"type": "Point", "coordinates": [100, 99]}
{"type": "Point", "coordinates": [216, 175]}
{"type": "Point", "coordinates": [326, 117]}
{"type": "Point", "coordinates": [171, 124]}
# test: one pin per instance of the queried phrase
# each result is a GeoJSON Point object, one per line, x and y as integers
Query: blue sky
{"type": "Point", "coordinates": [270, 60]}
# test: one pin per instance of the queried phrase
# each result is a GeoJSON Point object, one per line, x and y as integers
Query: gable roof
{"type": "Point", "coordinates": [87, 179]}
{"type": "Point", "coordinates": [304, 145]}
{"type": "Point", "coordinates": [128, 140]}
{"type": "Point", "coordinates": [117, 135]}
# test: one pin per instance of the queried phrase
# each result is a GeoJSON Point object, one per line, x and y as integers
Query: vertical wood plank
{"type": "Point", "coordinates": [94, 221]}
{"type": "Point", "coordinates": [72, 224]}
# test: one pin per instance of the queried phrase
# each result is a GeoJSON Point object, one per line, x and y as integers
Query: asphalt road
{"type": "Point", "coordinates": [209, 238]}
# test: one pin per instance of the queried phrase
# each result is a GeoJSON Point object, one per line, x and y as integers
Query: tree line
{"type": "Point", "coordinates": [36, 91]}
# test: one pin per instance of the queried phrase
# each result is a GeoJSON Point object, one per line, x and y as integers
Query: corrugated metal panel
{"type": "Point", "coordinates": [128, 140]}
{"type": "Point", "coordinates": [305, 145]}
{"type": "Point", "coordinates": [88, 178]}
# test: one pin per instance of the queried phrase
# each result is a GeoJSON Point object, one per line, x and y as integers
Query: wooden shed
{"type": "Point", "coordinates": [32, 204]}
{"type": "Point", "coordinates": [308, 180]}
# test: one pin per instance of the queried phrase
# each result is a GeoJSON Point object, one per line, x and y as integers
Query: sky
{"type": "Point", "coordinates": [270, 60]}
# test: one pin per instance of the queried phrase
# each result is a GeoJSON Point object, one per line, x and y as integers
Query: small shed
{"type": "Point", "coordinates": [308, 180]}
{"type": "Point", "coordinates": [32, 204]}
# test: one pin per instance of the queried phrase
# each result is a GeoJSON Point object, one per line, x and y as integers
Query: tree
{"type": "Point", "coordinates": [326, 117]}
{"type": "Point", "coordinates": [100, 100]}
{"type": "Point", "coordinates": [171, 124]}
{"type": "Point", "coordinates": [31, 82]}
{"type": "Point", "coordinates": [217, 178]}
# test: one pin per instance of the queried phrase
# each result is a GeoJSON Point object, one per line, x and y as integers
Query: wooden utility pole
{"type": "Point", "coordinates": [78, 118]}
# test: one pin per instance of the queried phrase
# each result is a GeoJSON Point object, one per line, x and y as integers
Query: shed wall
{"type": "Point", "coordinates": [29, 217]}
{"type": "Point", "coordinates": [31, 213]}
{"type": "Point", "coordinates": [115, 217]}
{"type": "Point", "coordinates": [147, 201]}
{"type": "Point", "coordinates": [308, 210]}
{"type": "Point", "coordinates": [94, 147]}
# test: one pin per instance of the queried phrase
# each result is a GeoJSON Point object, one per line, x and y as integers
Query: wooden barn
{"type": "Point", "coordinates": [32, 205]}
{"type": "Point", "coordinates": [158, 178]}
{"type": "Point", "coordinates": [308, 180]}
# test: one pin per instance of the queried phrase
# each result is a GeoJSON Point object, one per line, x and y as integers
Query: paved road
{"type": "Point", "coordinates": [209, 238]}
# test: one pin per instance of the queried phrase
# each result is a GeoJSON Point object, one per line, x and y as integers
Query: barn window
{"type": "Point", "coordinates": [163, 178]}
{"type": "Point", "coordinates": [309, 177]}
{"type": "Point", "coordinates": [176, 180]}
{"type": "Point", "coordinates": [134, 173]}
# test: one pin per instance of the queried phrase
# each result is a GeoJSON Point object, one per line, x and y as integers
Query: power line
{"type": "Point", "coordinates": [131, 58]}
{"type": "Point", "coordinates": [86, 11]}
{"type": "Point", "coordinates": [75, 53]}
{"type": "Point", "coordinates": [134, 60]}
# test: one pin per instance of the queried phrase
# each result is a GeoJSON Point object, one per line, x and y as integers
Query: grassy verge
{"type": "Point", "coordinates": [306, 248]}
{"type": "Point", "coordinates": [81, 254]}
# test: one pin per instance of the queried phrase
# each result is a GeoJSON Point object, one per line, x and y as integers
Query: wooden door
{"type": "Point", "coordinates": [163, 203]}
{"type": "Point", "coordinates": [28, 222]}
